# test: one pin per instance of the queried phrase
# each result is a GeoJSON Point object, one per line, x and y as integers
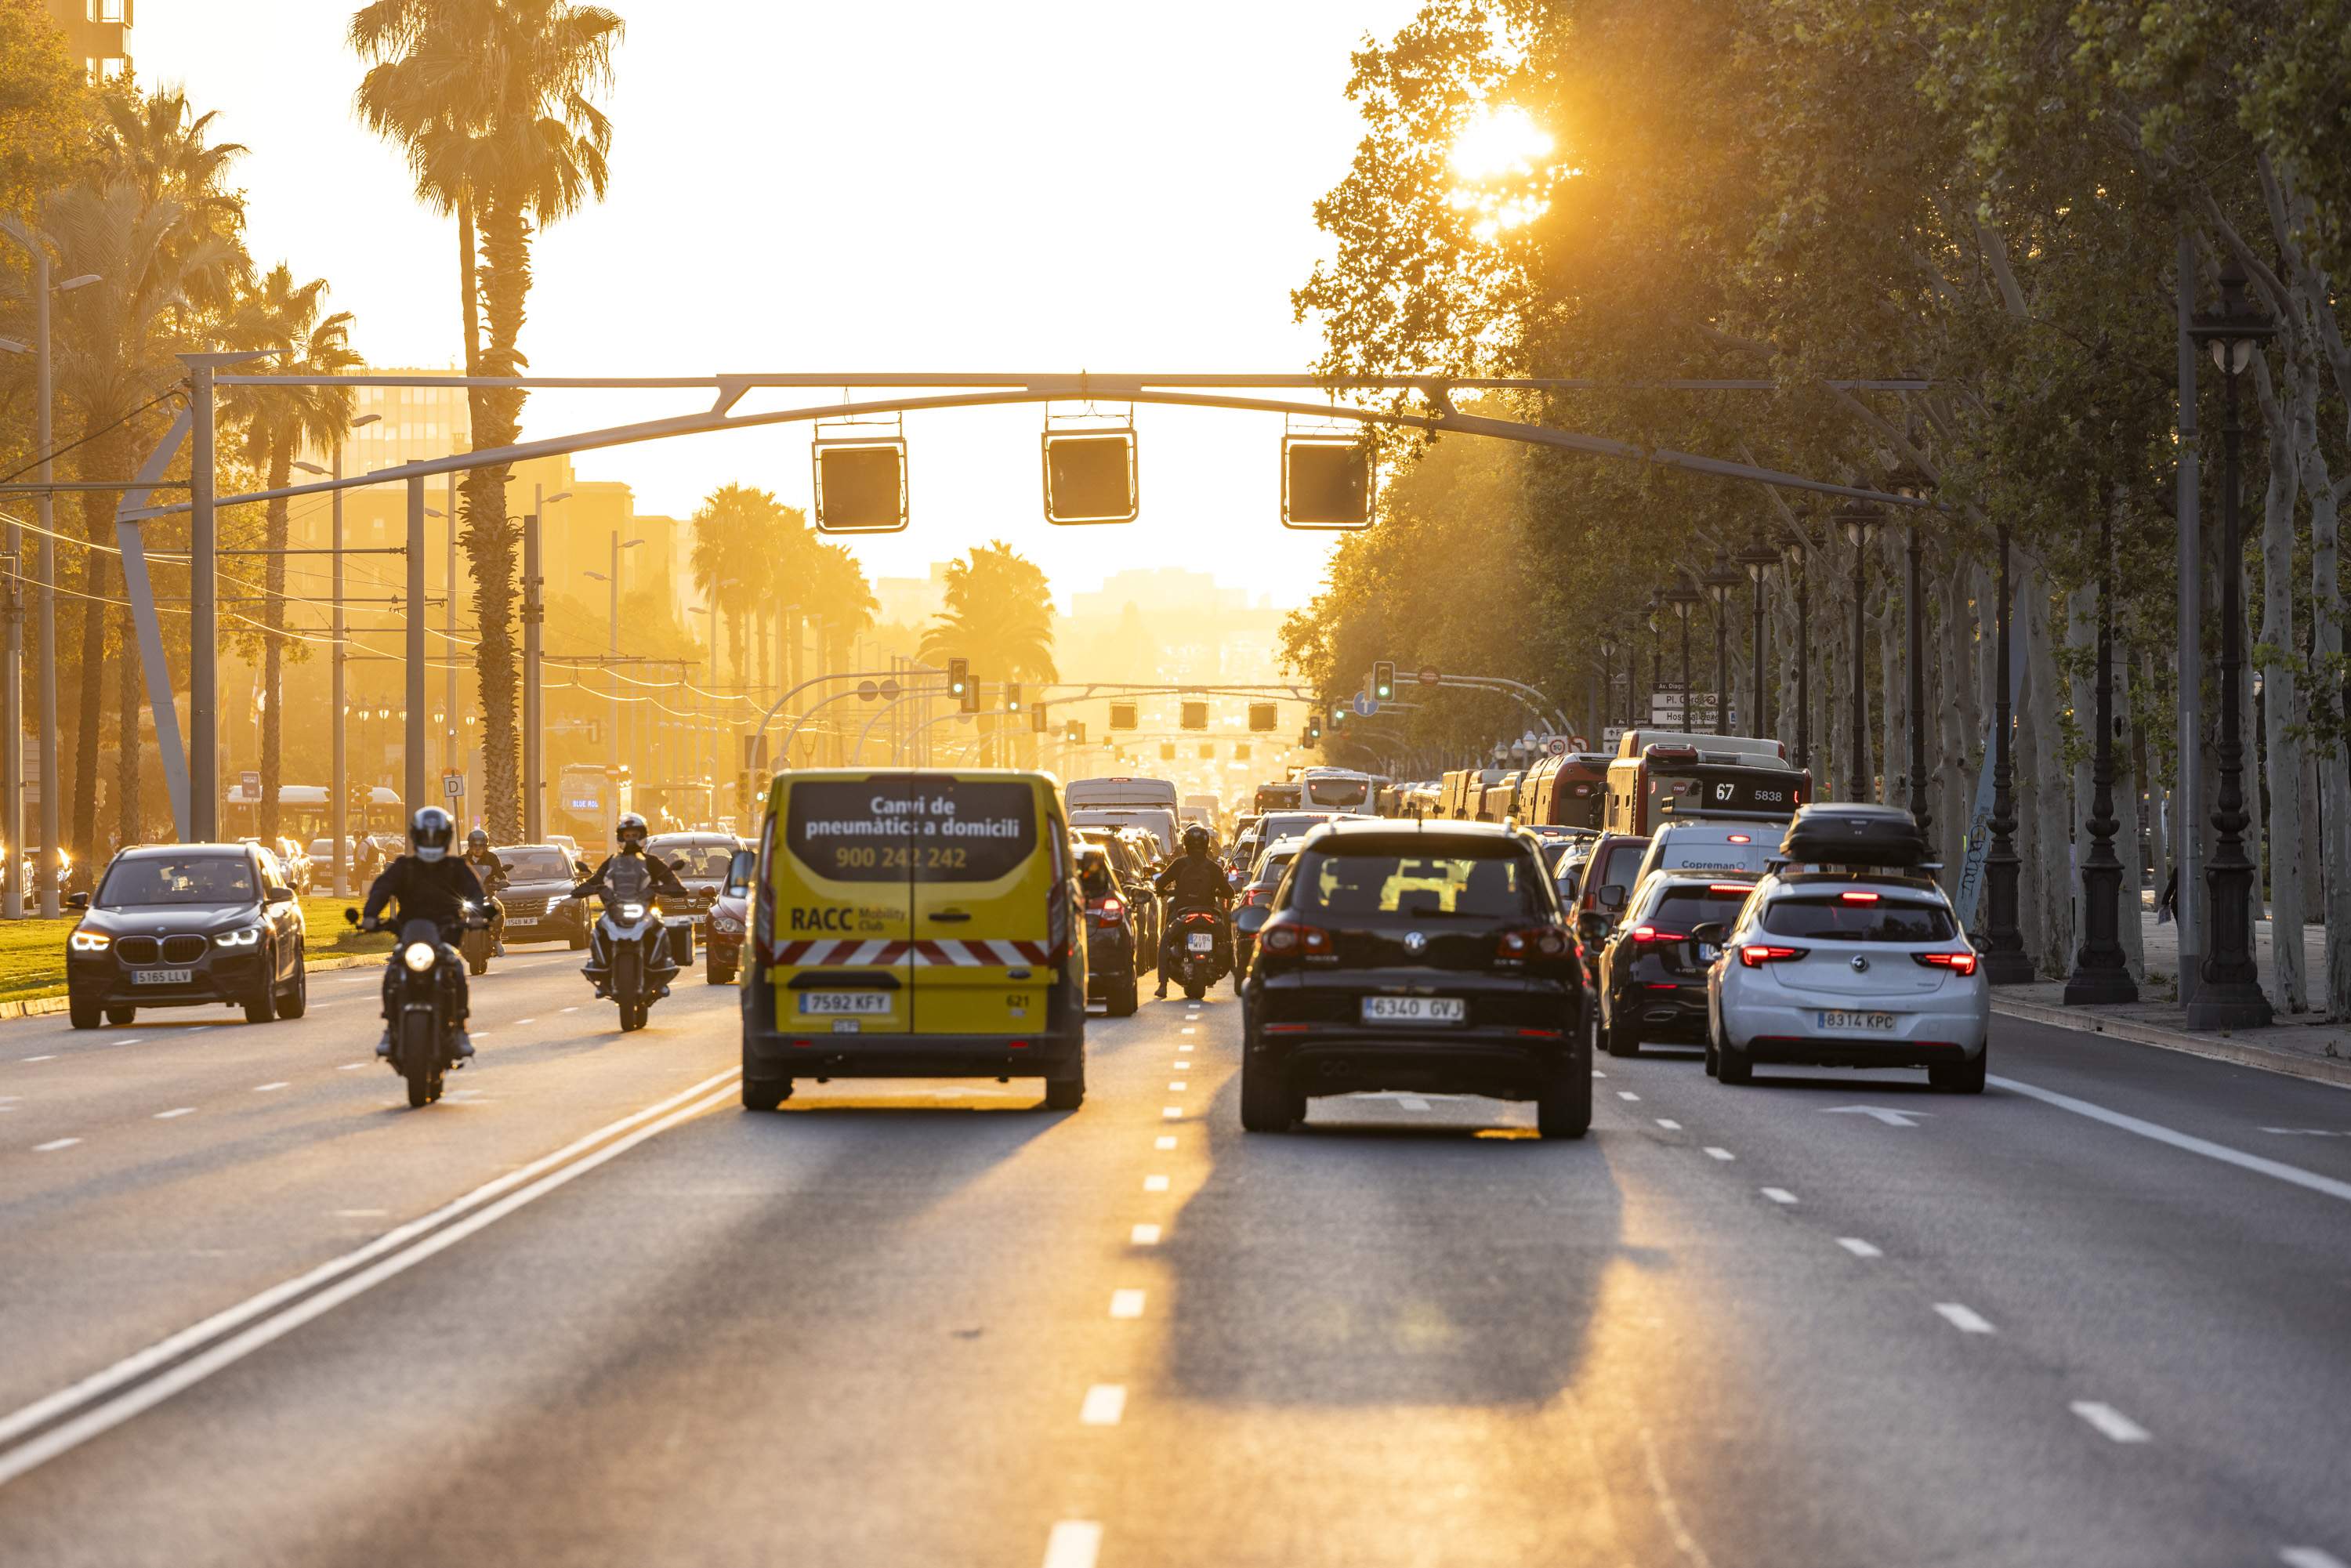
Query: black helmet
{"type": "Point", "coordinates": [631, 830]}
{"type": "Point", "coordinates": [1195, 839]}
{"type": "Point", "coordinates": [477, 840]}
{"type": "Point", "coordinates": [430, 832]}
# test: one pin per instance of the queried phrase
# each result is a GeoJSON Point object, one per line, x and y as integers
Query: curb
{"type": "Point", "coordinates": [2287, 1064]}
{"type": "Point", "coordinates": [42, 1006]}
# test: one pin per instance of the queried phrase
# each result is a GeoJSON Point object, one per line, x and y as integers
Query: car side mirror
{"type": "Point", "coordinates": [1611, 897]}
{"type": "Point", "coordinates": [1713, 933]}
{"type": "Point", "coordinates": [76, 901]}
{"type": "Point", "coordinates": [277, 895]}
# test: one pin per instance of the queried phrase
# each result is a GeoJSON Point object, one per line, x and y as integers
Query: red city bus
{"type": "Point", "coordinates": [1565, 792]}
{"type": "Point", "coordinates": [1658, 777]}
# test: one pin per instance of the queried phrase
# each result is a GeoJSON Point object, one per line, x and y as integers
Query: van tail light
{"type": "Point", "coordinates": [1755, 954]}
{"type": "Point", "coordinates": [1645, 935]}
{"type": "Point", "coordinates": [1547, 940]}
{"type": "Point", "coordinates": [1961, 963]}
{"type": "Point", "coordinates": [1060, 936]}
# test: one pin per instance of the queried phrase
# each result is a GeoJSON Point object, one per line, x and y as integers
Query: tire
{"type": "Point", "coordinates": [628, 981]}
{"type": "Point", "coordinates": [1621, 1041]}
{"type": "Point", "coordinates": [1125, 997]}
{"type": "Point", "coordinates": [578, 940]}
{"type": "Point", "coordinates": [1564, 1107]}
{"type": "Point", "coordinates": [1267, 1104]}
{"type": "Point", "coordinates": [85, 1014]}
{"type": "Point", "coordinates": [633, 1015]}
{"type": "Point", "coordinates": [419, 1060]}
{"type": "Point", "coordinates": [718, 974]}
{"type": "Point", "coordinates": [263, 1008]}
{"type": "Point", "coordinates": [296, 1001]}
{"type": "Point", "coordinates": [1732, 1065]}
{"type": "Point", "coordinates": [1962, 1077]}
{"type": "Point", "coordinates": [766, 1093]}
{"type": "Point", "coordinates": [1068, 1091]}
{"type": "Point", "coordinates": [1193, 990]}
{"type": "Point", "coordinates": [120, 1017]}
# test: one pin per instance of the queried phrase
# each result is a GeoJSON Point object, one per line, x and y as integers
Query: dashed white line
{"type": "Point", "coordinates": [1858, 1248]}
{"type": "Point", "coordinates": [269, 1088]}
{"type": "Point", "coordinates": [1412, 1102]}
{"type": "Point", "coordinates": [1716, 1152]}
{"type": "Point", "coordinates": [1189, 1031]}
{"type": "Point", "coordinates": [519, 1022]}
{"type": "Point", "coordinates": [1073, 1543]}
{"type": "Point", "coordinates": [1165, 1141]}
{"type": "Point", "coordinates": [54, 1145]}
{"type": "Point", "coordinates": [1154, 1183]}
{"type": "Point", "coordinates": [1669, 1124]}
{"type": "Point", "coordinates": [361, 1213]}
{"type": "Point", "coordinates": [40, 1059]}
{"type": "Point", "coordinates": [1104, 1404]}
{"type": "Point", "coordinates": [1126, 1303]}
{"type": "Point", "coordinates": [1627, 1094]}
{"type": "Point", "coordinates": [2308, 1557]}
{"type": "Point", "coordinates": [1172, 1112]}
{"type": "Point", "coordinates": [1143, 1236]}
{"type": "Point", "coordinates": [175, 1111]}
{"type": "Point", "coordinates": [1597, 1074]}
{"type": "Point", "coordinates": [351, 1067]}
{"type": "Point", "coordinates": [2110, 1421]}
{"type": "Point", "coordinates": [132, 1040]}
{"type": "Point", "coordinates": [569, 1010]}
{"type": "Point", "coordinates": [1779, 1194]}
{"type": "Point", "coordinates": [1176, 1087]}
{"type": "Point", "coordinates": [1966, 1320]}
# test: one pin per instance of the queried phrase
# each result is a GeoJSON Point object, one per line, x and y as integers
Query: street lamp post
{"type": "Point", "coordinates": [1859, 523]}
{"type": "Point", "coordinates": [1718, 584]}
{"type": "Point", "coordinates": [338, 789]}
{"type": "Point", "coordinates": [1656, 617]}
{"type": "Point", "coordinates": [1792, 551]}
{"type": "Point", "coordinates": [1607, 679]}
{"type": "Point", "coordinates": [1681, 596]}
{"type": "Point", "coordinates": [1759, 558]}
{"type": "Point", "coordinates": [2005, 962]}
{"type": "Point", "coordinates": [612, 580]}
{"type": "Point", "coordinates": [2100, 971]}
{"type": "Point", "coordinates": [2229, 994]}
{"type": "Point", "coordinates": [534, 695]}
{"type": "Point", "coordinates": [1913, 484]}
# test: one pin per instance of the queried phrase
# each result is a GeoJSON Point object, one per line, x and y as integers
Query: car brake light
{"type": "Point", "coordinates": [1111, 908]}
{"type": "Point", "coordinates": [1755, 954]}
{"type": "Point", "coordinates": [1961, 963]}
{"type": "Point", "coordinates": [1740, 888]}
{"type": "Point", "coordinates": [1741, 838]}
{"type": "Point", "coordinates": [1858, 897]}
{"type": "Point", "coordinates": [1651, 934]}
{"type": "Point", "coordinates": [1543, 939]}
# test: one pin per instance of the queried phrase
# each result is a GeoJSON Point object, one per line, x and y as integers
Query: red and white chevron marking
{"type": "Point", "coordinates": [829, 952]}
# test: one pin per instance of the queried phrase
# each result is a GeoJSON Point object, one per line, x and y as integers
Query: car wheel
{"type": "Point", "coordinates": [1564, 1107]}
{"type": "Point", "coordinates": [578, 941]}
{"type": "Point", "coordinates": [1125, 997]}
{"type": "Point", "coordinates": [261, 1007]}
{"type": "Point", "coordinates": [766, 1093]}
{"type": "Point", "coordinates": [1067, 1091]}
{"type": "Point", "coordinates": [1267, 1104]}
{"type": "Point", "coordinates": [1622, 1041]}
{"type": "Point", "coordinates": [295, 1000]}
{"type": "Point", "coordinates": [120, 1017]}
{"type": "Point", "coordinates": [84, 1014]}
{"type": "Point", "coordinates": [1732, 1065]}
{"type": "Point", "coordinates": [1961, 1077]}
{"type": "Point", "coordinates": [718, 973]}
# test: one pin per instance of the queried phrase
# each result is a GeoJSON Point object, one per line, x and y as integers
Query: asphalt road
{"type": "Point", "coordinates": [588, 1310]}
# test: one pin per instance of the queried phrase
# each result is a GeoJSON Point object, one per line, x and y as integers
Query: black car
{"type": "Point", "coordinates": [181, 926]}
{"type": "Point", "coordinates": [700, 860]}
{"type": "Point", "coordinates": [536, 897]}
{"type": "Point", "coordinates": [1430, 957]}
{"type": "Point", "coordinates": [1652, 973]}
{"type": "Point", "coordinates": [1114, 947]}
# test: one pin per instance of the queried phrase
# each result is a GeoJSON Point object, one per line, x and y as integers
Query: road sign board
{"type": "Point", "coordinates": [1366, 706]}
{"type": "Point", "coordinates": [1430, 674]}
{"type": "Point", "coordinates": [867, 691]}
{"type": "Point", "coordinates": [1556, 746]}
{"type": "Point", "coordinates": [890, 691]}
{"type": "Point", "coordinates": [452, 785]}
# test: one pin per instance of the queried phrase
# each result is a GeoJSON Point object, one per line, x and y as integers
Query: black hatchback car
{"type": "Point", "coordinates": [179, 925]}
{"type": "Point", "coordinates": [1430, 957]}
{"type": "Point", "coordinates": [1652, 971]}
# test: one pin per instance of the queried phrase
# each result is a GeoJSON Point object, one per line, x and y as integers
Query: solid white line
{"type": "Point", "coordinates": [105, 1418]}
{"type": "Point", "coordinates": [173, 1345]}
{"type": "Point", "coordinates": [1104, 1404]}
{"type": "Point", "coordinates": [2308, 1557]}
{"type": "Point", "coordinates": [175, 1111]}
{"type": "Point", "coordinates": [1412, 1102]}
{"type": "Point", "coordinates": [1966, 1320]}
{"type": "Point", "coordinates": [361, 1213]}
{"type": "Point", "coordinates": [1669, 1124]}
{"type": "Point", "coordinates": [265, 1088]}
{"type": "Point", "coordinates": [1126, 1303]}
{"type": "Point", "coordinates": [1627, 1094]}
{"type": "Point", "coordinates": [1779, 1194]}
{"type": "Point", "coordinates": [1165, 1141]}
{"type": "Point", "coordinates": [2259, 1163]}
{"type": "Point", "coordinates": [1719, 1153]}
{"type": "Point", "coordinates": [54, 1145]}
{"type": "Point", "coordinates": [1858, 1248]}
{"type": "Point", "coordinates": [2110, 1421]}
{"type": "Point", "coordinates": [1154, 1183]}
{"type": "Point", "coordinates": [1074, 1544]}
{"type": "Point", "coordinates": [1143, 1236]}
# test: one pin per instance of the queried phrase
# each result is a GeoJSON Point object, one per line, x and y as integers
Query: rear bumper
{"type": "Point", "coordinates": [1679, 1016]}
{"type": "Point", "coordinates": [770, 1053]}
{"type": "Point", "coordinates": [1502, 1064]}
{"type": "Point", "coordinates": [1787, 1028]}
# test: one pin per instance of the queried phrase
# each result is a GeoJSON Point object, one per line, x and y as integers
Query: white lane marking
{"type": "Point", "coordinates": [172, 1346]}
{"type": "Point", "coordinates": [1412, 1102]}
{"type": "Point", "coordinates": [54, 1145]}
{"type": "Point", "coordinates": [1182, 1064]}
{"type": "Point", "coordinates": [1154, 1183]}
{"type": "Point", "coordinates": [351, 1067]}
{"type": "Point", "coordinates": [1716, 1152]}
{"type": "Point", "coordinates": [1104, 1404]}
{"type": "Point", "coordinates": [132, 1040]}
{"type": "Point", "coordinates": [1669, 1124]}
{"type": "Point", "coordinates": [1172, 1112]}
{"type": "Point", "coordinates": [2110, 1421]}
{"type": "Point", "coordinates": [2258, 1163]}
{"type": "Point", "coordinates": [2308, 1557]}
{"type": "Point", "coordinates": [1073, 1543]}
{"type": "Point", "coordinates": [1627, 1094]}
{"type": "Point", "coordinates": [267, 1087]}
{"type": "Point", "coordinates": [1668, 1509]}
{"type": "Point", "coordinates": [40, 1059]}
{"type": "Point", "coordinates": [1143, 1236]}
{"type": "Point", "coordinates": [175, 1111]}
{"type": "Point", "coordinates": [1126, 1303]}
{"type": "Point", "coordinates": [1779, 1194]}
{"type": "Point", "coordinates": [569, 1010]}
{"type": "Point", "coordinates": [2310, 1133]}
{"type": "Point", "coordinates": [1190, 1031]}
{"type": "Point", "coordinates": [1966, 1320]}
{"type": "Point", "coordinates": [1175, 1087]}
{"type": "Point", "coordinates": [1165, 1141]}
{"type": "Point", "coordinates": [1597, 1074]}
{"type": "Point", "coordinates": [1858, 1248]}
{"type": "Point", "coordinates": [519, 1022]}
{"type": "Point", "coordinates": [361, 1213]}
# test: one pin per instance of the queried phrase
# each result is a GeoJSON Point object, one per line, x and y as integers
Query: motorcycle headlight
{"type": "Point", "coordinates": [89, 941]}
{"type": "Point", "coordinates": [419, 956]}
{"type": "Point", "coordinates": [245, 938]}
{"type": "Point", "coordinates": [632, 912]}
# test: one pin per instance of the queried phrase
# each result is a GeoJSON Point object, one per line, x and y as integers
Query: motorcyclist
{"type": "Point", "coordinates": [492, 872]}
{"type": "Point", "coordinates": [429, 885]}
{"type": "Point", "coordinates": [627, 874]}
{"type": "Point", "coordinates": [1193, 880]}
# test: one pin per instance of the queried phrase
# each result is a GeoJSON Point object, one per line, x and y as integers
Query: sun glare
{"type": "Point", "coordinates": [1498, 140]}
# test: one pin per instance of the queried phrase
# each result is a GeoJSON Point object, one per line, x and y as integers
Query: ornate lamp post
{"type": "Point", "coordinates": [1859, 523]}
{"type": "Point", "coordinates": [2005, 963]}
{"type": "Point", "coordinates": [1719, 582]}
{"type": "Point", "coordinates": [1681, 596]}
{"type": "Point", "coordinates": [2230, 993]}
{"type": "Point", "coordinates": [1607, 679]}
{"type": "Point", "coordinates": [1657, 619]}
{"type": "Point", "coordinates": [2100, 973]}
{"type": "Point", "coordinates": [1759, 558]}
{"type": "Point", "coordinates": [1913, 484]}
{"type": "Point", "coordinates": [1794, 552]}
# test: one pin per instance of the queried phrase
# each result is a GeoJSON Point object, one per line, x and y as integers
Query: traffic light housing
{"type": "Point", "coordinates": [1012, 696]}
{"type": "Point", "coordinates": [1384, 680]}
{"type": "Point", "coordinates": [1196, 715]}
{"type": "Point", "coordinates": [1313, 729]}
{"type": "Point", "coordinates": [1263, 717]}
{"type": "Point", "coordinates": [1077, 732]}
{"type": "Point", "coordinates": [1123, 716]}
{"type": "Point", "coordinates": [959, 686]}
{"type": "Point", "coordinates": [1037, 721]}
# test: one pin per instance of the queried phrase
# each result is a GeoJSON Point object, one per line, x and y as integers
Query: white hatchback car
{"type": "Point", "coordinates": [1848, 969]}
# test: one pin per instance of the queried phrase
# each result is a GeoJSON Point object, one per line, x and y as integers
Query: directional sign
{"type": "Point", "coordinates": [1885, 1114]}
{"type": "Point", "coordinates": [1366, 706]}
{"type": "Point", "coordinates": [1430, 674]}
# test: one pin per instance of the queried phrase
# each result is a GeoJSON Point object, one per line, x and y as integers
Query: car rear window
{"type": "Point", "coordinates": [1708, 852]}
{"type": "Point", "coordinates": [1269, 869]}
{"type": "Point", "coordinates": [1680, 908]}
{"type": "Point", "coordinates": [177, 878]}
{"type": "Point", "coordinates": [1846, 920]}
{"type": "Point", "coordinates": [1497, 885]}
{"type": "Point", "coordinates": [697, 860]}
{"type": "Point", "coordinates": [911, 828]}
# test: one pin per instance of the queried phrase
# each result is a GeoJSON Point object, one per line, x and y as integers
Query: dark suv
{"type": "Point", "coordinates": [183, 926]}
{"type": "Point", "coordinates": [538, 880]}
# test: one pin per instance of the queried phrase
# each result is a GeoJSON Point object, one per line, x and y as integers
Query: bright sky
{"type": "Point", "coordinates": [1024, 185]}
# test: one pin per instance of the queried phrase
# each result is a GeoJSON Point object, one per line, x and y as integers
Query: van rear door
{"type": "Point", "coordinates": [842, 932]}
{"type": "Point", "coordinates": [985, 877]}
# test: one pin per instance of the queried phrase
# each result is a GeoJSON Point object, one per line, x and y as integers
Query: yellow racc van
{"type": "Point", "coordinates": [921, 924]}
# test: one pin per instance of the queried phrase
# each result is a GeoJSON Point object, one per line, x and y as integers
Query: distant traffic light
{"type": "Point", "coordinates": [1208, 752]}
{"type": "Point", "coordinates": [1077, 732]}
{"type": "Point", "coordinates": [1122, 717]}
{"type": "Point", "coordinates": [1196, 715]}
{"type": "Point", "coordinates": [1326, 482]}
{"type": "Point", "coordinates": [1166, 752]}
{"type": "Point", "coordinates": [1012, 696]}
{"type": "Point", "coordinates": [1313, 729]}
{"type": "Point", "coordinates": [1384, 680]}
{"type": "Point", "coordinates": [1263, 717]}
{"type": "Point", "coordinates": [1036, 720]}
{"type": "Point", "coordinates": [958, 677]}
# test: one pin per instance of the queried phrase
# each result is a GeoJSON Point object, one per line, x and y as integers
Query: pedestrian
{"type": "Point", "coordinates": [2167, 908]}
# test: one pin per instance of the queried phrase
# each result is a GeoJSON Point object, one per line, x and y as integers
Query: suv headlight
{"type": "Point", "coordinates": [245, 938]}
{"type": "Point", "coordinates": [89, 941]}
{"type": "Point", "coordinates": [420, 956]}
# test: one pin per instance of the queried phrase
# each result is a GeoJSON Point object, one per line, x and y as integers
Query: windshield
{"type": "Point", "coordinates": [705, 861]}
{"type": "Point", "coordinates": [172, 879]}
{"type": "Point", "coordinates": [1495, 886]}
{"type": "Point", "coordinates": [1338, 793]}
{"type": "Point", "coordinates": [535, 866]}
{"type": "Point", "coordinates": [1093, 876]}
{"type": "Point", "coordinates": [1270, 867]}
{"type": "Point", "coordinates": [1683, 907]}
{"type": "Point", "coordinates": [1840, 919]}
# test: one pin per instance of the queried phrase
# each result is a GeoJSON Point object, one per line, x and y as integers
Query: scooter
{"type": "Point", "coordinates": [633, 954]}
{"type": "Point", "coordinates": [425, 1020]}
{"type": "Point", "coordinates": [1199, 934]}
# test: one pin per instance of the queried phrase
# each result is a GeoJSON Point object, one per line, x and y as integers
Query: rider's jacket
{"type": "Point", "coordinates": [1194, 882]}
{"type": "Point", "coordinates": [632, 878]}
{"type": "Point", "coordinates": [489, 868]}
{"type": "Point", "coordinates": [437, 890]}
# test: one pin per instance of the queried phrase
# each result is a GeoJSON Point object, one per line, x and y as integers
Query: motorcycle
{"type": "Point", "coordinates": [423, 1020]}
{"type": "Point", "coordinates": [476, 945]}
{"type": "Point", "coordinates": [636, 954]}
{"type": "Point", "coordinates": [1199, 941]}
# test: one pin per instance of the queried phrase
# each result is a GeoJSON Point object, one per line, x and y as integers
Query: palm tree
{"type": "Point", "coordinates": [491, 102]}
{"type": "Point", "coordinates": [999, 615]}
{"type": "Point", "coordinates": [281, 316]}
{"type": "Point", "coordinates": [732, 561]}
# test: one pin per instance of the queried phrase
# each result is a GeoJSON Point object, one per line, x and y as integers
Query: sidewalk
{"type": "Point", "coordinates": [2304, 1046]}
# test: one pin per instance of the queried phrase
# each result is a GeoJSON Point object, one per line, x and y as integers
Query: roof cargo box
{"type": "Point", "coordinates": [1843, 834]}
